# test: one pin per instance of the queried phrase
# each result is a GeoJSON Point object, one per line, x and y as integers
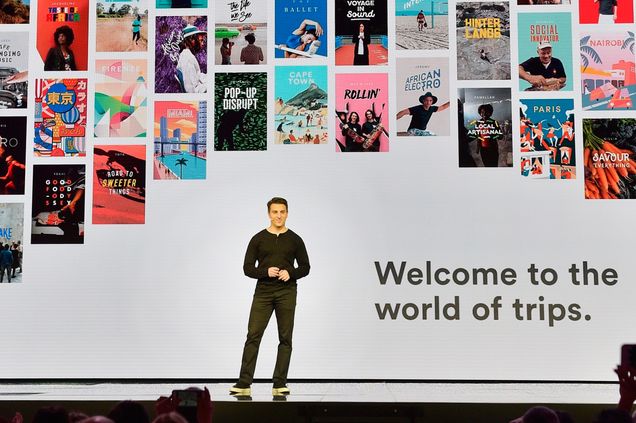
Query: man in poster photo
{"type": "Point", "coordinates": [270, 259]}
{"type": "Point", "coordinates": [544, 72]}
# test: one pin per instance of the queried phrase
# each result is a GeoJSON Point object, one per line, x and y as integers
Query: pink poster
{"type": "Point", "coordinates": [362, 112]}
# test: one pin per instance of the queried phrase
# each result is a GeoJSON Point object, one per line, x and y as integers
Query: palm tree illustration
{"type": "Point", "coordinates": [181, 163]}
{"type": "Point", "coordinates": [588, 53]}
{"type": "Point", "coordinates": [629, 42]}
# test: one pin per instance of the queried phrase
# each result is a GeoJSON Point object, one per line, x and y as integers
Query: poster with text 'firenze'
{"type": "Point", "coordinates": [120, 98]}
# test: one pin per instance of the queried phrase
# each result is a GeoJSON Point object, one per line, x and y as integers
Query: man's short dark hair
{"type": "Point", "coordinates": [250, 38]}
{"type": "Point", "coordinates": [540, 414]}
{"type": "Point", "coordinates": [68, 33]}
{"type": "Point", "coordinates": [277, 200]}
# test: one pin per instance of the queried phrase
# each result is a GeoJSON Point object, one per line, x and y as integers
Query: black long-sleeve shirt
{"type": "Point", "coordinates": [271, 250]}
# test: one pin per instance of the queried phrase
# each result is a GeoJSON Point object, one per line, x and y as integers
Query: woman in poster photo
{"type": "Point", "coordinates": [303, 37]}
{"type": "Point", "coordinates": [361, 46]}
{"type": "Point", "coordinates": [61, 57]}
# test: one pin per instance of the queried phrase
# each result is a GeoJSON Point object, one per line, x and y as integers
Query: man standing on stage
{"type": "Point", "coordinates": [270, 258]}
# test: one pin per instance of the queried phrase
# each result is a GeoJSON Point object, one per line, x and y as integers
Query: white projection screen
{"type": "Point", "coordinates": [168, 298]}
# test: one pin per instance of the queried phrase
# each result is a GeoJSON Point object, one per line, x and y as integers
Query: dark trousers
{"type": "Point", "coordinates": [281, 299]}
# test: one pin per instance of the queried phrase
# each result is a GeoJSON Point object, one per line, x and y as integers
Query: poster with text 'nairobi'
{"type": "Point", "coordinates": [608, 77]}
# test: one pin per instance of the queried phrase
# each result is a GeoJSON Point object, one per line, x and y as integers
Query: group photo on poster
{"type": "Point", "coordinates": [240, 33]}
{"type": "Point", "coordinates": [422, 94]}
{"type": "Point", "coordinates": [122, 26]}
{"type": "Point", "coordinates": [485, 127]}
{"type": "Point", "coordinates": [608, 77]}
{"type": "Point", "coordinates": [545, 52]}
{"type": "Point", "coordinates": [62, 35]}
{"type": "Point", "coordinates": [181, 60]}
{"type": "Point", "coordinates": [547, 138]}
{"type": "Point", "coordinates": [301, 106]}
{"type": "Point", "coordinates": [301, 29]}
{"type": "Point", "coordinates": [421, 25]}
{"type": "Point", "coordinates": [58, 204]}
{"type": "Point", "coordinates": [180, 146]}
{"type": "Point", "coordinates": [362, 113]}
{"type": "Point", "coordinates": [483, 40]}
{"type": "Point", "coordinates": [119, 184]}
{"type": "Point", "coordinates": [361, 33]}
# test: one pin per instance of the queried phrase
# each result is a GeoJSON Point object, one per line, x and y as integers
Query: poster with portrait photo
{"type": "Point", "coordinates": [62, 34]}
{"type": "Point", "coordinates": [181, 60]}
{"type": "Point", "coordinates": [361, 33]}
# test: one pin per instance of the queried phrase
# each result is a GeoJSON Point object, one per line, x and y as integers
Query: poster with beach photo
{"type": "Point", "coordinates": [122, 25]}
{"type": "Point", "coordinates": [421, 24]}
{"type": "Point", "coordinates": [240, 35]}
